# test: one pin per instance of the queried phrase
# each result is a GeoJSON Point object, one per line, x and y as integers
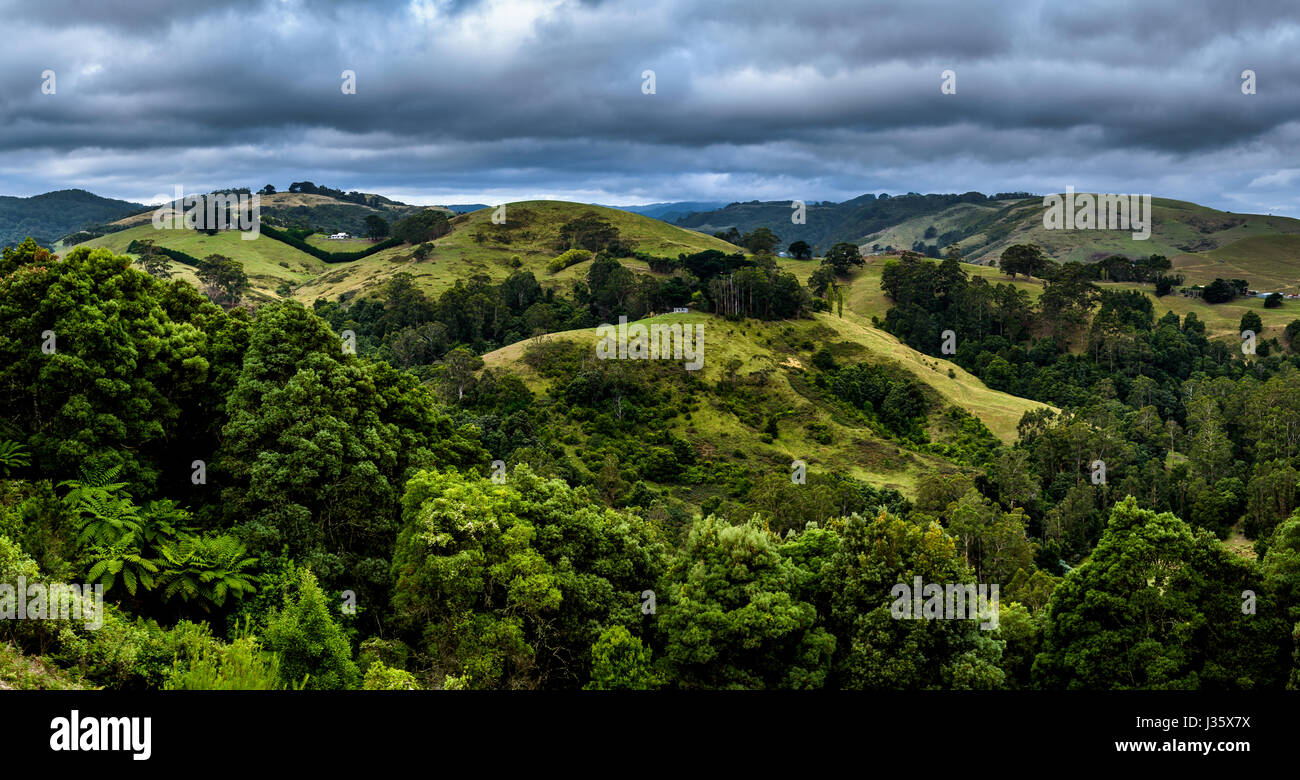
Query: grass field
{"type": "Point", "coordinates": [1269, 263]}
{"type": "Point", "coordinates": [266, 261]}
{"type": "Point", "coordinates": [339, 245]}
{"type": "Point", "coordinates": [997, 410]}
{"type": "Point", "coordinates": [1223, 320]}
{"type": "Point", "coordinates": [906, 233]}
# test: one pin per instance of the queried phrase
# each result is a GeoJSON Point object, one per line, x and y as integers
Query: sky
{"type": "Point", "coordinates": [502, 100]}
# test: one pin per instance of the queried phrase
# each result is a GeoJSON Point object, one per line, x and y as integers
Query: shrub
{"type": "Point", "coordinates": [824, 360]}
{"type": "Point", "coordinates": [619, 661]}
{"type": "Point", "coordinates": [310, 644]}
{"type": "Point", "coordinates": [380, 677]}
{"type": "Point", "coordinates": [571, 257]}
{"type": "Point", "coordinates": [202, 663]}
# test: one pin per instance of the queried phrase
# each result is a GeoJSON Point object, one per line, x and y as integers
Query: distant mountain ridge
{"type": "Point", "coordinates": [825, 223]}
{"type": "Point", "coordinates": [672, 211]}
{"type": "Point", "coordinates": [52, 215]}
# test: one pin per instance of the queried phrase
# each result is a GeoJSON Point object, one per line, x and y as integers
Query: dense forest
{"type": "Point", "coordinates": [54, 214]}
{"type": "Point", "coordinates": [269, 504]}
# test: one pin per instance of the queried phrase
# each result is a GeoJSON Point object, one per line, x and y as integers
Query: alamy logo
{"type": "Point", "coordinates": [951, 601]}
{"type": "Point", "coordinates": [1085, 211]}
{"type": "Point", "coordinates": [55, 601]}
{"type": "Point", "coordinates": [102, 733]}
{"type": "Point", "coordinates": [240, 211]}
{"type": "Point", "coordinates": [656, 342]}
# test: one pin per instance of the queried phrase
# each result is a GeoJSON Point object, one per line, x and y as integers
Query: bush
{"type": "Point", "coordinates": [135, 248]}
{"type": "Point", "coordinates": [310, 644]}
{"type": "Point", "coordinates": [1218, 291]}
{"type": "Point", "coordinates": [824, 360]}
{"type": "Point", "coordinates": [619, 661]}
{"type": "Point", "coordinates": [202, 663]}
{"type": "Point", "coordinates": [571, 257]}
{"type": "Point", "coordinates": [380, 677]}
{"type": "Point", "coordinates": [819, 432]}
{"type": "Point", "coordinates": [1292, 329]}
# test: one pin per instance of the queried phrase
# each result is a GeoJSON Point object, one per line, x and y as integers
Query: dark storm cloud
{"type": "Point", "coordinates": [127, 16]}
{"type": "Point", "coordinates": [755, 98]}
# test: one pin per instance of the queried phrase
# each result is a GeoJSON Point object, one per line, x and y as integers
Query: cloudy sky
{"type": "Point", "coordinates": [499, 100]}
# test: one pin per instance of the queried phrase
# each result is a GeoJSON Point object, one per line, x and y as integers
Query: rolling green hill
{"type": "Point", "coordinates": [267, 262]}
{"type": "Point", "coordinates": [475, 246]}
{"type": "Point", "coordinates": [329, 214]}
{"type": "Point", "coordinates": [1203, 243]}
{"type": "Point", "coordinates": [777, 356]}
{"type": "Point", "coordinates": [1269, 262]}
{"type": "Point", "coordinates": [531, 233]}
{"type": "Point", "coordinates": [530, 237]}
{"type": "Point", "coordinates": [863, 296]}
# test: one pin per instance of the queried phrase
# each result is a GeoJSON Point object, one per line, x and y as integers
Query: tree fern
{"type": "Point", "coordinates": [207, 569]}
{"type": "Point", "coordinates": [122, 559]}
{"type": "Point", "coordinates": [13, 456]}
{"type": "Point", "coordinates": [107, 516]}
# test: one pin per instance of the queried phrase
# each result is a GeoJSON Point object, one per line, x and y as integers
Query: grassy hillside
{"type": "Point", "coordinates": [477, 246]}
{"type": "Point", "coordinates": [826, 222]}
{"type": "Point", "coordinates": [1202, 242]}
{"type": "Point", "coordinates": [1270, 262]}
{"type": "Point", "coordinates": [330, 215]}
{"type": "Point", "coordinates": [267, 262]}
{"type": "Point", "coordinates": [862, 296]}
{"type": "Point", "coordinates": [967, 221]}
{"type": "Point", "coordinates": [778, 355]}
